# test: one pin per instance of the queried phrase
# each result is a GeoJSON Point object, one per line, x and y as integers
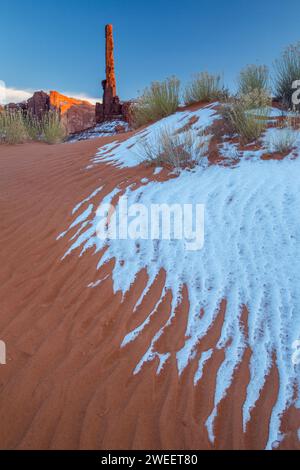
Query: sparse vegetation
{"type": "Point", "coordinates": [33, 127]}
{"type": "Point", "coordinates": [239, 120]}
{"type": "Point", "coordinates": [253, 78]}
{"type": "Point", "coordinates": [253, 83]}
{"type": "Point", "coordinates": [17, 127]}
{"type": "Point", "coordinates": [204, 87]}
{"type": "Point", "coordinates": [53, 131]}
{"type": "Point", "coordinates": [158, 101]}
{"type": "Point", "coordinates": [175, 149]}
{"type": "Point", "coordinates": [256, 99]}
{"type": "Point", "coordinates": [287, 71]}
{"type": "Point", "coordinates": [12, 127]}
{"type": "Point", "coordinates": [283, 139]}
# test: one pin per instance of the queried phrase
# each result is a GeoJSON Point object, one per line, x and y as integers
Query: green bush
{"type": "Point", "coordinates": [287, 70]}
{"type": "Point", "coordinates": [204, 87]}
{"type": "Point", "coordinates": [158, 101]}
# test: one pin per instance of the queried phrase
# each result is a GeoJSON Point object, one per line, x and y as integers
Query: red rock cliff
{"type": "Point", "coordinates": [77, 115]}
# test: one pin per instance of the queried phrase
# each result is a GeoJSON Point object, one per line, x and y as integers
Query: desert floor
{"type": "Point", "coordinates": [67, 383]}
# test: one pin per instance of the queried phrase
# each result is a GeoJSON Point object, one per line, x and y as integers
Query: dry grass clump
{"type": "Point", "coordinates": [253, 87]}
{"type": "Point", "coordinates": [12, 127]}
{"type": "Point", "coordinates": [177, 150]}
{"type": "Point", "coordinates": [256, 99]}
{"type": "Point", "coordinates": [284, 137]}
{"type": "Point", "coordinates": [16, 127]}
{"type": "Point", "coordinates": [52, 129]}
{"type": "Point", "coordinates": [158, 101]}
{"type": "Point", "coordinates": [33, 127]}
{"type": "Point", "coordinates": [239, 120]}
{"type": "Point", "coordinates": [205, 87]}
{"type": "Point", "coordinates": [253, 77]}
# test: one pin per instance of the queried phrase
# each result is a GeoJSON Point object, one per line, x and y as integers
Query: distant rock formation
{"type": "Point", "coordinates": [76, 115]}
{"type": "Point", "coordinates": [111, 107]}
{"type": "Point", "coordinates": [38, 104]}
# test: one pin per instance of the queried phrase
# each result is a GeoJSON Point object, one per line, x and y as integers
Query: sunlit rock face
{"type": "Point", "coordinates": [76, 115]}
{"type": "Point", "coordinates": [63, 103]}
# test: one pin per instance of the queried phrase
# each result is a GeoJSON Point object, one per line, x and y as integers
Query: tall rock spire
{"type": "Point", "coordinates": [110, 108]}
{"type": "Point", "coordinates": [110, 63]}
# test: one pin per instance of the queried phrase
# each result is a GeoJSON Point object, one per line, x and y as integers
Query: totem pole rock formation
{"type": "Point", "coordinates": [110, 108]}
{"type": "Point", "coordinates": [110, 84]}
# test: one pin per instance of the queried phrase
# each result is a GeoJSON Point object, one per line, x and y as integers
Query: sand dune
{"type": "Point", "coordinates": [68, 383]}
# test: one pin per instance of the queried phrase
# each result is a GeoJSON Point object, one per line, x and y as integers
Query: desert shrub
{"type": "Point", "coordinates": [12, 127]}
{"type": "Point", "coordinates": [256, 99]}
{"type": "Point", "coordinates": [17, 127]}
{"type": "Point", "coordinates": [287, 71]}
{"type": "Point", "coordinates": [239, 120]}
{"type": "Point", "coordinates": [253, 78]}
{"type": "Point", "coordinates": [158, 101]}
{"type": "Point", "coordinates": [33, 126]}
{"type": "Point", "coordinates": [253, 85]}
{"type": "Point", "coordinates": [175, 149]}
{"type": "Point", "coordinates": [204, 87]}
{"type": "Point", "coordinates": [283, 138]}
{"type": "Point", "coordinates": [52, 129]}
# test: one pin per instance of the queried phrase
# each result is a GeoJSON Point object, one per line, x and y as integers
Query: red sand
{"type": "Point", "coordinates": [67, 384]}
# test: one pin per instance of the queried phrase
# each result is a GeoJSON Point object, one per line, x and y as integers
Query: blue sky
{"type": "Point", "coordinates": [60, 44]}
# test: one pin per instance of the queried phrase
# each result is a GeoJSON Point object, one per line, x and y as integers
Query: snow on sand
{"type": "Point", "coordinates": [250, 258]}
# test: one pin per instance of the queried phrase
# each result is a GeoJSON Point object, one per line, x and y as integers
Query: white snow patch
{"type": "Point", "coordinates": [97, 191]}
{"type": "Point", "coordinates": [206, 355]}
{"type": "Point", "coordinates": [273, 136]}
{"type": "Point", "coordinates": [129, 154]}
{"type": "Point", "coordinates": [105, 129]}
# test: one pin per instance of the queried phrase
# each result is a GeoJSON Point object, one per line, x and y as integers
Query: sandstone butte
{"type": "Point", "coordinates": [64, 103]}
{"type": "Point", "coordinates": [76, 115]}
